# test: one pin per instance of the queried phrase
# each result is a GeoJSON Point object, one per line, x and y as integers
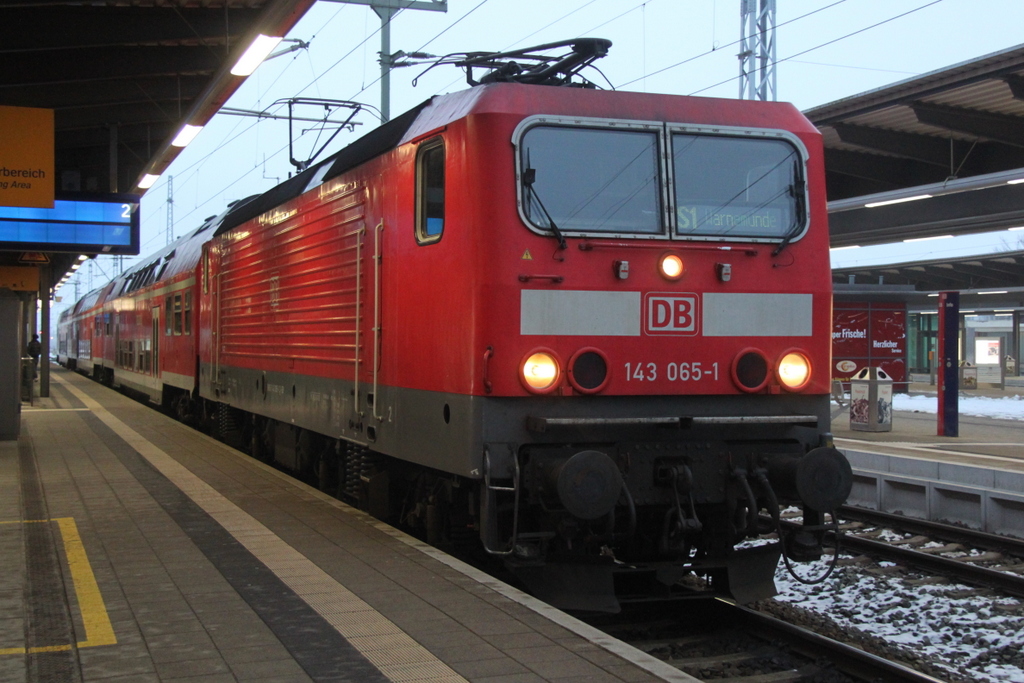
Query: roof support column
{"type": "Point", "coordinates": [11, 349]}
{"type": "Point", "coordinates": [45, 293]}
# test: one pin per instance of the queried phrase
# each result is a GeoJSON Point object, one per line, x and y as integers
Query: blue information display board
{"type": "Point", "coordinates": [79, 223]}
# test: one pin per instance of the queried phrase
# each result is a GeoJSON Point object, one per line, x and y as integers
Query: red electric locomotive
{"type": "Point", "coordinates": [589, 329]}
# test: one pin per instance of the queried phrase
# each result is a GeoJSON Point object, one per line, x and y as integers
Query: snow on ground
{"type": "Point", "coordinates": [981, 637]}
{"type": "Point", "coordinates": [1007, 408]}
{"type": "Point", "coordinates": [978, 636]}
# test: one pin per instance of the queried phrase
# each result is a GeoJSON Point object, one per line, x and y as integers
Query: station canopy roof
{"type": "Point", "coordinates": [984, 282]}
{"type": "Point", "coordinates": [124, 76]}
{"type": "Point", "coordinates": [956, 134]}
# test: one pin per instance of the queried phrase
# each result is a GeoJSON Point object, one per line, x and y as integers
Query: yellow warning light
{"type": "Point", "coordinates": [671, 267]}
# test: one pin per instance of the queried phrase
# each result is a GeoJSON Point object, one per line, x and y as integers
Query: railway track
{"type": "Point", "coordinates": [972, 557]}
{"type": "Point", "coordinates": [719, 640]}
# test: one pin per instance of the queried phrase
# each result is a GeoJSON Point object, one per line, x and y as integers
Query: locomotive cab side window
{"type": "Point", "coordinates": [738, 187]}
{"type": "Point", "coordinates": [430, 192]}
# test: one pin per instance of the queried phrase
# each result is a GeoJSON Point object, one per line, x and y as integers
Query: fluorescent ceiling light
{"type": "Point", "coordinates": [999, 292]}
{"type": "Point", "coordinates": [147, 181]}
{"type": "Point", "coordinates": [898, 201]}
{"type": "Point", "coordinates": [933, 295]}
{"type": "Point", "coordinates": [187, 134]}
{"type": "Point", "coordinates": [1017, 228]}
{"type": "Point", "coordinates": [1018, 181]}
{"type": "Point", "coordinates": [254, 56]}
{"type": "Point", "coordinates": [926, 239]}
{"type": "Point", "coordinates": [853, 246]}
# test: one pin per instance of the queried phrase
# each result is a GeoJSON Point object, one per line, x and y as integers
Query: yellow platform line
{"type": "Point", "coordinates": [98, 629]}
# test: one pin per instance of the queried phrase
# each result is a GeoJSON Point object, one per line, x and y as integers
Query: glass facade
{"type": "Point", "coordinates": [983, 337]}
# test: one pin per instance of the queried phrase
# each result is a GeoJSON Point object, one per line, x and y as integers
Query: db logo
{"type": "Point", "coordinates": [672, 314]}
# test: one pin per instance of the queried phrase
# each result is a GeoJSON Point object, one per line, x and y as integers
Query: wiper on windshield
{"type": "Point", "coordinates": [798, 190]}
{"type": "Point", "coordinates": [529, 177]}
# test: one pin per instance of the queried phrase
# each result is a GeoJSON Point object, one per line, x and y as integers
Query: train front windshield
{"type": "Point", "coordinates": [592, 181]}
{"type": "Point", "coordinates": [736, 187]}
{"type": "Point", "coordinates": [599, 181]}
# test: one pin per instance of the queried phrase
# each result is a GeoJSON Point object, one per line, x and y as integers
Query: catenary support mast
{"type": "Point", "coordinates": [386, 10]}
{"type": "Point", "coordinates": [757, 50]}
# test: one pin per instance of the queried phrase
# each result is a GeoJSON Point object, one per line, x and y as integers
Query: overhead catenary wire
{"type": "Point", "coordinates": [722, 47]}
{"type": "Point", "coordinates": [830, 42]}
{"type": "Point", "coordinates": [530, 35]}
{"type": "Point", "coordinates": [315, 81]}
{"type": "Point", "coordinates": [456, 22]}
{"type": "Point", "coordinates": [422, 47]}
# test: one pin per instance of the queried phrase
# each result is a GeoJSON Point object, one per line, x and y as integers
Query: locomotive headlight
{"type": "Point", "coordinates": [540, 371]}
{"type": "Point", "coordinates": [794, 370]}
{"type": "Point", "coordinates": [671, 267]}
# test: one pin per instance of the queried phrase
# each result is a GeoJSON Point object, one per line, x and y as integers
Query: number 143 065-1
{"type": "Point", "coordinates": [674, 372]}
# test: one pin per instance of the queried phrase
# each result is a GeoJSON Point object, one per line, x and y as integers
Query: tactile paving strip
{"type": "Point", "coordinates": [49, 631]}
{"type": "Point", "coordinates": [364, 631]}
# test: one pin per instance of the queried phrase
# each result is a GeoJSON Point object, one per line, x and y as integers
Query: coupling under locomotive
{"type": "Point", "coordinates": [589, 329]}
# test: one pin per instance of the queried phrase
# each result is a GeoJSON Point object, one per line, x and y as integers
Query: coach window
{"type": "Point", "coordinates": [168, 314]}
{"type": "Point", "coordinates": [430, 192]}
{"type": "Point", "coordinates": [177, 314]}
{"type": "Point", "coordinates": [188, 313]}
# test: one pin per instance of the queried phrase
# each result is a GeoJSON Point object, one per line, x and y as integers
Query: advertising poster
{"type": "Point", "coordinates": [850, 333]}
{"type": "Point", "coordinates": [885, 403]}
{"type": "Point", "coordinates": [888, 333]}
{"type": "Point", "coordinates": [986, 351]}
{"type": "Point", "coordinates": [867, 334]}
{"type": "Point", "coordinates": [860, 409]}
{"type": "Point", "coordinates": [26, 157]}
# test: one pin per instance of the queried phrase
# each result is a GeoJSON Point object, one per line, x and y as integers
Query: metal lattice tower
{"type": "Point", "coordinates": [170, 209]}
{"type": "Point", "coordinates": [757, 50]}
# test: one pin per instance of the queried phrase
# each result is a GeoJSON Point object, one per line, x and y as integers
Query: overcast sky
{"type": "Point", "coordinates": [827, 50]}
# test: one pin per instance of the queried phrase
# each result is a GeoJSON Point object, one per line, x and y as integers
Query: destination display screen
{"type": "Point", "coordinates": [77, 223]}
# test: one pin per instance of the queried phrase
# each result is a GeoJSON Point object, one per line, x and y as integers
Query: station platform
{"type": "Point", "coordinates": [135, 549]}
{"type": "Point", "coordinates": [981, 441]}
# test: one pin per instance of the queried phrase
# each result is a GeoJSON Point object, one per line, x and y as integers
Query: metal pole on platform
{"type": "Point", "coordinates": [949, 364]}
{"type": "Point", "coordinates": [45, 292]}
{"type": "Point", "coordinates": [10, 365]}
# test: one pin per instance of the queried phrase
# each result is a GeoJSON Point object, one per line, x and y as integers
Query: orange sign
{"type": "Point", "coordinates": [26, 157]}
{"type": "Point", "coordinates": [19, 278]}
{"type": "Point", "coordinates": [33, 257]}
